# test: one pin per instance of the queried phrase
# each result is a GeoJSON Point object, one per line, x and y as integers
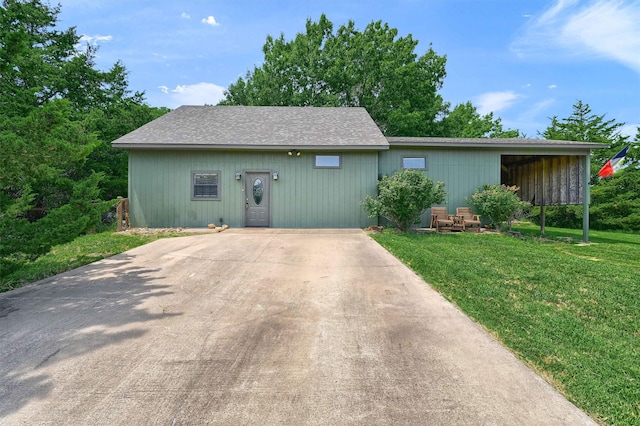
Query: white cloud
{"type": "Point", "coordinates": [185, 15]}
{"type": "Point", "coordinates": [552, 86]}
{"type": "Point", "coordinates": [193, 94]}
{"type": "Point", "coordinates": [604, 29]}
{"type": "Point", "coordinates": [94, 40]}
{"type": "Point", "coordinates": [532, 118]}
{"type": "Point", "coordinates": [210, 20]}
{"type": "Point", "coordinates": [495, 101]}
{"type": "Point", "coordinates": [629, 130]}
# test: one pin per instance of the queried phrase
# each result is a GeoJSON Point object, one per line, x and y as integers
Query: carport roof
{"type": "Point", "coordinates": [259, 127]}
{"type": "Point", "coordinates": [490, 143]}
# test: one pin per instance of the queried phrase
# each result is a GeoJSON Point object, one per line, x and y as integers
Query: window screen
{"type": "Point", "coordinates": [206, 185]}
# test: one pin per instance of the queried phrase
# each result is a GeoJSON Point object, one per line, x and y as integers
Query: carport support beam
{"type": "Point", "coordinates": [585, 197]}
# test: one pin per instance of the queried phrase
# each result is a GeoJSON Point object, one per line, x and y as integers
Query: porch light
{"type": "Point", "coordinates": [238, 176]}
{"type": "Point", "coordinates": [275, 175]}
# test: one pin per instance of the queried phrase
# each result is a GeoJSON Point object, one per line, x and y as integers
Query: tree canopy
{"type": "Point", "coordinates": [58, 113]}
{"type": "Point", "coordinates": [614, 200]}
{"type": "Point", "coordinates": [374, 68]}
{"type": "Point", "coordinates": [585, 126]}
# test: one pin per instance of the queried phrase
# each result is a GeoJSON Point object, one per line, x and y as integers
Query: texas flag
{"type": "Point", "coordinates": [614, 164]}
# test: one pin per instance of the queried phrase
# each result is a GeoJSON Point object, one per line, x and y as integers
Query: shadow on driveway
{"type": "Point", "coordinates": [66, 317]}
{"type": "Point", "coordinates": [257, 327]}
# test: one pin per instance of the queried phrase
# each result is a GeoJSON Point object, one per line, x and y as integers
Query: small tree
{"type": "Point", "coordinates": [497, 203]}
{"type": "Point", "coordinates": [403, 197]}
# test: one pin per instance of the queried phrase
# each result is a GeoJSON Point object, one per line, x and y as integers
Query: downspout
{"type": "Point", "coordinates": [586, 197]}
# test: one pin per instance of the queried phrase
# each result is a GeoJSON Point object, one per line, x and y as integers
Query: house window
{"type": "Point", "coordinates": [205, 185]}
{"type": "Point", "coordinates": [328, 162]}
{"type": "Point", "coordinates": [418, 163]}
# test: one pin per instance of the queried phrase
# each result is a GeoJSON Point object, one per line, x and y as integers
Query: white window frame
{"type": "Point", "coordinates": [327, 156]}
{"type": "Point", "coordinates": [414, 157]}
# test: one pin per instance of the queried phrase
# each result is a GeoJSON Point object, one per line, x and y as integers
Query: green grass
{"type": "Point", "coordinates": [82, 251]}
{"type": "Point", "coordinates": [570, 311]}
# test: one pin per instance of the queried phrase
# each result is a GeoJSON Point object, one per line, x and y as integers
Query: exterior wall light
{"type": "Point", "coordinates": [294, 153]}
{"type": "Point", "coordinates": [275, 175]}
{"type": "Point", "coordinates": [238, 176]}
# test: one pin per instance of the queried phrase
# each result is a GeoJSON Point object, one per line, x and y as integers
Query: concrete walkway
{"type": "Point", "coordinates": [257, 327]}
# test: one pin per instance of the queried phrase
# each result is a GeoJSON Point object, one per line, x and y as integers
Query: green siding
{"type": "Point", "coordinates": [462, 170]}
{"type": "Point", "coordinates": [302, 197]}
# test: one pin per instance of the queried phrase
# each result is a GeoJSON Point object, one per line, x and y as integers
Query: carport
{"type": "Point", "coordinates": [550, 180]}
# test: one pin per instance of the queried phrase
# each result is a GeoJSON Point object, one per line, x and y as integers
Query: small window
{"type": "Point", "coordinates": [328, 161]}
{"type": "Point", "coordinates": [205, 185]}
{"type": "Point", "coordinates": [419, 163]}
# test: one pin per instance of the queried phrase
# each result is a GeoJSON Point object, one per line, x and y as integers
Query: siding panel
{"type": "Point", "coordinates": [302, 197]}
{"type": "Point", "coordinates": [462, 171]}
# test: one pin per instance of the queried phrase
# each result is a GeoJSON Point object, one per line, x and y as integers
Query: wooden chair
{"type": "Point", "coordinates": [468, 220]}
{"type": "Point", "coordinates": [440, 219]}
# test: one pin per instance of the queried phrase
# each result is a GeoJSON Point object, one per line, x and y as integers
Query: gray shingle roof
{"type": "Point", "coordinates": [242, 127]}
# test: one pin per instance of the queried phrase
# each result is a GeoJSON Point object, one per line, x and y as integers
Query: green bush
{"type": "Point", "coordinates": [403, 197]}
{"type": "Point", "coordinates": [24, 240]}
{"type": "Point", "coordinates": [615, 201]}
{"type": "Point", "coordinates": [615, 205]}
{"type": "Point", "coordinates": [497, 203]}
{"type": "Point", "coordinates": [559, 216]}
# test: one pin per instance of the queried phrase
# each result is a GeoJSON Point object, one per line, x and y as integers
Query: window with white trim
{"type": "Point", "coordinates": [416, 163]}
{"type": "Point", "coordinates": [328, 162]}
{"type": "Point", "coordinates": [205, 185]}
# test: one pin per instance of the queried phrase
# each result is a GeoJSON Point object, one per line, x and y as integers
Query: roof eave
{"type": "Point", "coordinates": [530, 143]}
{"type": "Point", "coordinates": [253, 147]}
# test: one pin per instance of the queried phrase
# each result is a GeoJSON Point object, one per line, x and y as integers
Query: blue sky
{"type": "Point", "coordinates": [525, 60]}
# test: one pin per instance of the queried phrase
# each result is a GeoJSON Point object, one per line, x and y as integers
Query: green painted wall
{"type": "Point", "coordinates": [302, 197]}
{"type": "Point", "coordinates": [462, 170]}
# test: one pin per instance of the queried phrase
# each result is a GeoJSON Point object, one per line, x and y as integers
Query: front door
{"type": "Point", "coordinates": [257, 196]}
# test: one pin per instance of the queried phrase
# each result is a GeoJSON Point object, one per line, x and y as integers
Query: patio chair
{"type": "Point", "coordinates": [441, 220]}
{"type": "Point", "coordinates": [469, 220]}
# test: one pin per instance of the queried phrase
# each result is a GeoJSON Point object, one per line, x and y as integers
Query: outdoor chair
{"type": "Point", "coordinates": [467, 219]}
{"type": "Point", "coordinates": [441, 220]}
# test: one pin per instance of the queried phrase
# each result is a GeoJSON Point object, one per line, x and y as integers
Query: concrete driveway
{"type": "Point", "coordinates": [257, 327]}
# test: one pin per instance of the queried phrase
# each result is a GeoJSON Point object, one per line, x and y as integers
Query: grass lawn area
{"type": "Point", "coordinates": [82, 251]}
{"type": "Point", "coordinates": [568, 310]}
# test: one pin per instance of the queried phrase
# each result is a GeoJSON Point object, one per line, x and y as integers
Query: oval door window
{"type": "Point", "coordinates": [258, 191]}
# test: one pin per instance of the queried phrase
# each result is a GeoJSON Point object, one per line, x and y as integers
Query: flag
{"type": "Point", "coordinates": [614, 164]}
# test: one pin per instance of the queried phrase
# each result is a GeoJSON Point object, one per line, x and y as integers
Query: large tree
{"type": "Point", "coordinates": [57, 114]}
{"type": "Point", "coordinates": [585, 126]}
{"type": "Point", "coordinates": [464, 121]}
{"type": "Point", "coordinates": [614, 200]}
{"type": "Point", "coordinates": [374, 69]}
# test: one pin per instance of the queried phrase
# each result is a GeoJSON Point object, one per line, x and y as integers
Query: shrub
{"type": "Point", "coordinates": [497, 203]}
{"type": "Point", "coordinates": [403, 197]}
{"type": "Point", "coordinates": [26, 240]}
{"type": "Point", "coordinates": [569, 216]}
{"type": "Point", "coordinates": [615, 201]}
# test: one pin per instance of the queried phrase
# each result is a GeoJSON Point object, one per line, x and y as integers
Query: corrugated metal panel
{"type": "Point", "coordinates": [462, 171]}
{"type": "Point", "coordinates": [302, 197]}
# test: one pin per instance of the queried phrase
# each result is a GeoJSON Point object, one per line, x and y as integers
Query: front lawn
{"type": "Point", "coordinates": [81, 251]}
{"type": "Point", "coordinates": [570, 311]}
